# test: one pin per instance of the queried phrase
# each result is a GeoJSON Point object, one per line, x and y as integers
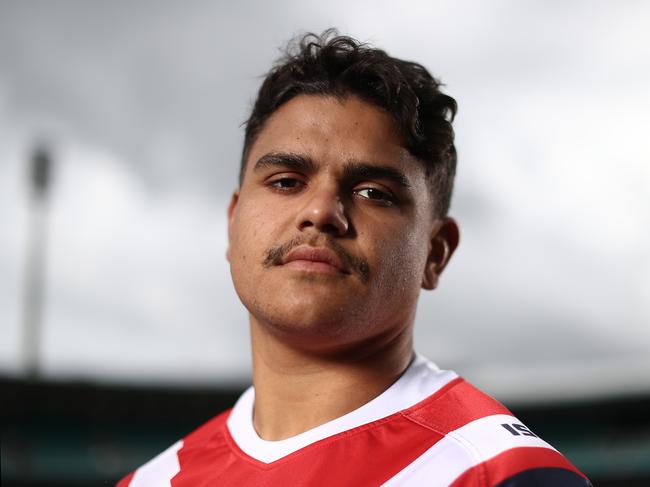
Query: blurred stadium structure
{"type": "Point", "coordinates": [131, 335]}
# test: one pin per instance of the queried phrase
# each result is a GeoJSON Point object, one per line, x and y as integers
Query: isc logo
{"type": "Point", "coordinates": [518, 429]}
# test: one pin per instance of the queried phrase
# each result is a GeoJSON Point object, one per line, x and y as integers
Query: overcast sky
{"type": "Point", "coordinates": [142, 102]}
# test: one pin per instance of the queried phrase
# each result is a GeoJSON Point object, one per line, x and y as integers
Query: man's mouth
{"type": "Point", "coordinates": [315, 259]}
{"type": "Point", "coordinates": [309, 256]}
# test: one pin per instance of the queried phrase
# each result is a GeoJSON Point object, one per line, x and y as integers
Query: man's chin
{"type": "Point", "coordinates": [305, 323]}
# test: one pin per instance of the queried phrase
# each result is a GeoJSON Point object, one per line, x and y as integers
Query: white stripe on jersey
{"type": "Point", "coordinates": [463, 449]}
{"type": "Point", "coordinates": [159, 471]}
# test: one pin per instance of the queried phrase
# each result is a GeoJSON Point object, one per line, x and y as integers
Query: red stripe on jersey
{"type": "Point", "coordinates": [453, 406]}
{"type": "Point", "coordinates": [126, 480]}
{"type": "Point", "coordinates": [510, 463]}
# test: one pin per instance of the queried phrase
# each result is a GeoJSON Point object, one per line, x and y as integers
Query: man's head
{"type": "Point", "coordinates": [337, 223]}
{"type": "Point", "coordinates": [341, 66]}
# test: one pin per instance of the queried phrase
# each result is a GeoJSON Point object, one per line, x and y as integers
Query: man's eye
{"type": "Point", "coordinates": [285, 183]}
{"type": "Point", "coordinates": [376, 195]}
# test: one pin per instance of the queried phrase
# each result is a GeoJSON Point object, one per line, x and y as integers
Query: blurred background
{"type": "Point", "coordinates": [120, 138]}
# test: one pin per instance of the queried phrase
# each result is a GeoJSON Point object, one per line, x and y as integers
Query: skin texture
{"type": "Point", "coordinates": [329, 188]}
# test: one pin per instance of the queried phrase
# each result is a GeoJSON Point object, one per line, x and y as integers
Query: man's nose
{"type": "Point", "coordinates": [324, 210]}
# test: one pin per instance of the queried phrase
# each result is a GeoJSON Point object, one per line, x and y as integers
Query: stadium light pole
{"type": "Point", "coordinates": [39, 178]}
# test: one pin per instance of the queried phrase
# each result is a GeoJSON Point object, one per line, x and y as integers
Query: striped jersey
{"type": "Point", "coordinates": [430, 428]}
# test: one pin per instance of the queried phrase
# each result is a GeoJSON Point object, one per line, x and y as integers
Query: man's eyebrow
{"type": "Point", "coordinates": [363, 170]}
{"type": "Point", "coordinates": [352, 170]}
{"type": "Point", "coordinates": [285, 159]}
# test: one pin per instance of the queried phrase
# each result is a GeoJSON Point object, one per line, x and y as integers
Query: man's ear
{"type": "Point", "coordinates": [232, 206]}
{"type": "Point", "coordinates": [444, 240]}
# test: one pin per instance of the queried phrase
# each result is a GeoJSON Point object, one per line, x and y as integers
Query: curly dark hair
{"type": "Point", "coordinates": [329, 64]}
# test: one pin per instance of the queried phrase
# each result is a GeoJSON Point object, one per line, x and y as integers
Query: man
{"type": "Point", "coordinates": [339, 220]}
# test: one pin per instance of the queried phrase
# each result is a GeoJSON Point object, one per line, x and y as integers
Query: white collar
{"type": "Point", "coordinates": [421, 379]}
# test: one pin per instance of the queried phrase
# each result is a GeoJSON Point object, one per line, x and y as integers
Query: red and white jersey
{"type": "Point", "coordinates": [430, 428]}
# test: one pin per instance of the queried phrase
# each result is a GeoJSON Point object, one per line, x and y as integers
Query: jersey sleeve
{"type": "Point", "coordinates": [524, 466]}
{"type": "Point", "coordinates": [508, 454]}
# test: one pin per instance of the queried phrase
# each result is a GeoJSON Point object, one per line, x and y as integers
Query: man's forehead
{"type": "Point", "coordinates": [327, 129]}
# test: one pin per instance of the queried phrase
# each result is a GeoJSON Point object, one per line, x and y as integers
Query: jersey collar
{"type": "Point", "coordinates": [421, 379]}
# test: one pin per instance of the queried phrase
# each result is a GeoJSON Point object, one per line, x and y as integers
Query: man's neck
{"type": "Point", "coordinates": [296, 390]}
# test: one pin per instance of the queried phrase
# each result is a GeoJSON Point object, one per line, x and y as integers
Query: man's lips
{"type": "Point", "coordinates": [314, 258]}
{"type": "Point", "coordinates": [330, 257]}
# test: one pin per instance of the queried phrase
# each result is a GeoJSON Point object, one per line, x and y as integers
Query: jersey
{"type": "Point", "coordinates": [430, 428]}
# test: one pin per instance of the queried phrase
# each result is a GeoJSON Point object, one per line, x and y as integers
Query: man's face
{"type": "Point", "coordinates": [330, 234]}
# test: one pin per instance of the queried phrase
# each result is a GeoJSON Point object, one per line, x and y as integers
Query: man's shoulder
{"type": "Point", "coordinates": [452, 406]}
{"type": "Point", "coordinates": [165, 465]}
{"type": "Point", "coordinates": [482, 443]}
{"type": "Point", "coordinates": [208, 430]}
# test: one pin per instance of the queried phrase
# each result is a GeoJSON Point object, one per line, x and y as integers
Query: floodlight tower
{"type": "Point", "coordinates": [40, 178]}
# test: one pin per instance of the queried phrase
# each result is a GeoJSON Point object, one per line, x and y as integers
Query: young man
{"type": "Point", "coordinates": [339, 220]}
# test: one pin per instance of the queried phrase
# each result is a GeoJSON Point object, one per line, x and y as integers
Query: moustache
{"type": "Point", "coordinates": [275, 256]}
